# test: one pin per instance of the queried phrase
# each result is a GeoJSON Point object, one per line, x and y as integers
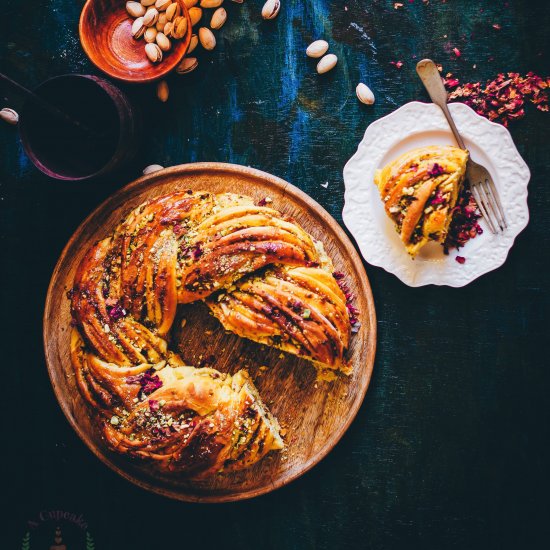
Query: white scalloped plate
{"type": "Point", "coordinates": [415, 125]}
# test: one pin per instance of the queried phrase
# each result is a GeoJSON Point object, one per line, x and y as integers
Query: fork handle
{"type": "Point", "coordinates": [428, 73]}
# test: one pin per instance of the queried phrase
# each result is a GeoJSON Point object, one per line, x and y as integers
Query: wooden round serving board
{"type": "Point", "coordinates": [314, 414]}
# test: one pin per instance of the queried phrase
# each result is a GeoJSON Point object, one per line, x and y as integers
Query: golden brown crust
{"type": "Point", "coordinates": [420, 190]}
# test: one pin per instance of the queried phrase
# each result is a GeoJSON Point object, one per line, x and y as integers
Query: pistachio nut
{"type": "Point", "coordinates": [193, 43]}
{"type": "Point", "coordinates": [161, 5]}
{"type": "Point", "coordinates": [153, 52]}
{"type": "Point", "coordinates": [148, 3]}
{"type": "Point", "coordinates": [168, 29]}
{"type": "Point", "coordinates": [327, 63]}
{"type": "Point", "coordinates": [271, 9]}
{"type": "Point", "coordinates": [163, 91]}
{"type": "Point", "coordinates": [138, 28]}
{"type": "Point", "coordinates": [135, 9]}
{"type": "Point", "coordinates": [152, 168]}
{"type": "Point", "coordinates": [317, 48]}
{"type": "Point", "coordinates": [238, 1]}
{"type": "Point", "coordinates": [190, 3]}
{"type": "Point", "coordinates": [179, 27]}
{"type": "Point", "coordinates": [207, 38]}
{"type": "Point", "coordinates": [219, 17]}
{"type": "Point", "coordinates": [151, 17]}
{"type": "Point", "coordinates": [161, 22]}
{"type": "Point", "coordinates": [187, 65]}
{"type": "Point", "coordinates": [172, 11]}
{"type": "Point", "coordinates": [150, 34]}
{"type": "Point", "coordinates": [9, 115]}
{"type": "Point", "coordinates": [211, 3]}
{"type": "Point", "coordinates": [195, 14]}
{"type": "Point", "coordinates": [364, 94]}
{"type": "Point", "coordinates": [163, 42]}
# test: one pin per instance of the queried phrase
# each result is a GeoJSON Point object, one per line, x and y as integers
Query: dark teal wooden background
{"type": "Point", "coordinates": [451, 447]}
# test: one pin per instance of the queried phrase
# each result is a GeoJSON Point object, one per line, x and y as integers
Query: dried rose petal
{"type": "Point", "coordinates": [116, 312]}
{"type": "Point", "coordinates": [460, 259]}
{"type": "Point", "coordinates": [397, 64]}
{"type": "Point", "coordinates": [436, 170]}
{"type": "Point", "coordinates": [154, 404]}
{"type": "Point", "coordinates": [148, 381]}
{"type": "Point", "coordinates": [353, 312]}
{"type": "Point", "coordinates": [456, 51]}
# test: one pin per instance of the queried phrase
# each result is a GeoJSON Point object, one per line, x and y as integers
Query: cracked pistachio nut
{"type": "Point", "coordinates": [195, 14]}
{"type": "Point", "coordinates": [327, 63]}
{"type": "Point", "coordinates": [135, 9]}
{"type": "Point", "coordinates": [219, 17]}
{"type": "Point", "coordinates": [179, 27]}
{"type": "Point", "coordinates": [9, 115]}
{"type": "Point", "coordinates": [317, 48]}
{"type": "Point", "coordinates": [163, 91]}
{"type": "Point", "coordinates": [162, 5]}
{"type": "Point", "coordinates": [161, 22]}
{"type": "Point", "coordinates": [193, 43]}
{"type": "Point", "coordinates": [163, 42]}
{"type": "Point", "coordinates": [150, 35]}
{"type": "Point", "coordinates": [153, 52]}
{"type": "Point", "coordinates": [138, 28]}
{"type": "Point", "coordinates": [210, 3]}
{"type": "Point", "coordinates": [187, 65]}
{"type": "Point", "coordinates": [168, 29]}
{"type": "Point", "coordinates": [190, 3]}
{"type": "Point", "coordinates": [152, 168]}
{"type": "Point", "coordinates": [271, 9]}
{"type": "Point", "coordinates": [364, 94]}
{"type": "Point", "coordinates": [151, 17]}
{"type": "Point", "coordinates": [173, 11]}
{"type": "Point", "coordinates": [207, 38]}
{"type": "Point", "coordinates": [148, 3]}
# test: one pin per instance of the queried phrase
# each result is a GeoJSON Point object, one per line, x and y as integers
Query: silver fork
{"type": "Point", "coordinates": [481, 183]}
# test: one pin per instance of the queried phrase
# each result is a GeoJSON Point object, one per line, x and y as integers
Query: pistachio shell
{"type": "Point", "coordinates": [161, 5]}
{"type": "Point", "coordinates": [168, 29]}
{"type": "Point", "coordinates": [135, 9]}
{"type": "Point", "coordinates": [150, 34]}
{"type": "Point", "coordinates": [138, 28]}
{"type": "Point", "coordinates": [161, 22]}
{"type": "Point", "coordinates": [271, 9]}
{"type": "Point", "coordinates": [317, 48]}
{"type": "Point", "coordinates": [187, 65]}
{"type": "Point", "coordinates": [193, 43]}
{"type": "Point", "coordinates": [9, 115]}
{"type": "Point", "coordinates": [152, 168]}
{"type": "Point", "coordinates": [207, 38]}
{"type": "Point", "coordinates": [179, 27]}
{"type": "Point", "coordinates": [195, 14]}
{"type": "Point", "coordinates": [151, 17]}
{"type": "Point", "coordinates": [364, 94]}
{"type": "Point", "coordinates": [211, 3]}
{"type": "Point", "coordinates": [163, 91]}
{"type": "Point", "coordinates": [219, 17]}
{"type": "Point", "coordinates": [154, 53]}
{"type": "Point", "coordinates": [173, 11]}
{"type": "Point", "coordinates": [148, 3]}
{"type": "Point", "coordinates": [163, 42]}
{"type": "Point", "coordinates": [327, 63]}
{"type": "Point", "coordinates": [190, 3]}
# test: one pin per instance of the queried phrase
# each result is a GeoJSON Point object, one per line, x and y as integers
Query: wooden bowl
{"type": "Point", "coordinates": [59, 151]}
{"type": "Point", "coordinates": [106, 36]}
{"type": "Point", "coordinates": [314, 413]}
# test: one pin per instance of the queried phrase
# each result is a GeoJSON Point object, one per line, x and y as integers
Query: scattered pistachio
{"type": "Point", "coordinates": [193, 43]}
{"type": "Point", "coordinates": [9, 115]}
{"type": "Point", "coordinates": [219, 17]}
{"type": "Point", "coordinates": [364, 94]}
{"type": "Point", "coordinates": [151, 17]}
{"type": "Point", "coordinates": [211, 3]}
{"type": "Point", "coordinates": [187, 65]}
{"type": "Point", "coordinates": [179, 27]}
{"type": "Point", "coordinates": [190, 3]}
{"type": "Point", "coordinates": [147, 3]}
{"type": "Point", "coordinates": [271, 9]}
{"type": "Point", "coordinates": [163, 91]}
{"type": "Point", "coordinates": [195, 14]}
{"type": "Point", "coordinates": [152, 168]}
{"type": "Point", "coordinates": [163, 42]}
{"type": "Point", "coordinates": [135, 9]}
{"type": "Point", "coordinates": [138, 28]}
{"type": "Point", "coordinates": [150, 34]}
{"type": "Point", "coordinates": [317, 48]}
{"type": "Point", "coordinates": [327, 63]}
{"type": "Point", "coordinates": [207, 38]}
{"type": "Point", "coordinates": [162, 5]}
{"type": "Point", "coordinates": [115, 421]}
{"type": "Point", "coordinates": [173, 11]}
{"type": "Point", "coordinates": [153, 52]}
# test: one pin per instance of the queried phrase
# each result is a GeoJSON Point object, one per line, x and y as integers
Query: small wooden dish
{"type": "Point", "coordinates": [106, 35]}
{"type": "Point", "coordinates": [314, 414]}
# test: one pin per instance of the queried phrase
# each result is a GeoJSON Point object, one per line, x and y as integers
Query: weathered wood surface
{"type": "Point", "coordinates": [451, 446]}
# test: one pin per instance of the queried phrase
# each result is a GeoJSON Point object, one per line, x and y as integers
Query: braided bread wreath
{"type": "Point", "coordinates": [260, 274]}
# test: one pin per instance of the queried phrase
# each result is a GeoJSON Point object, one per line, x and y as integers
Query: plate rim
{"type": "Point", "coordinates": [149, 180]}
{"type": "Point", "coordinates": [433, 279]}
